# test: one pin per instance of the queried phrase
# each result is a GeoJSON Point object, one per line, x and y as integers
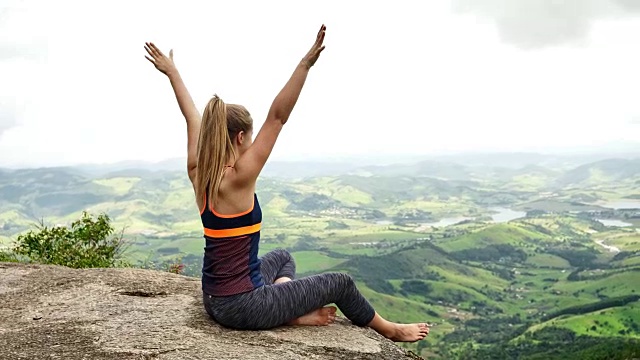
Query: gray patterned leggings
{"type": "Point", "coordinates": [274, 305]}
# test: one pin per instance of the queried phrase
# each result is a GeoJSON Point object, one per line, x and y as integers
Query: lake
{"type": "Point", "coordinates": [622, 204]}
{"type": "Point", "coordinates": [613, 223]}
{"type": "Point", "coordinates": [505, 215]}
{"type": "Point", "coordinates": [384, 222]}
{"type": "Point", "coordinates": [501, 215]}
{"type": "Point", "coordinates": [447, 221]}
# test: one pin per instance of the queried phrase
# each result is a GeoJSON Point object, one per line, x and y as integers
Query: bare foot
{"type": "Point", "coordinates": [408, 332]}
{"type": "Point", "coordinates": [319, 317]}
{"type": "Point", "coordinates": [281, 280]}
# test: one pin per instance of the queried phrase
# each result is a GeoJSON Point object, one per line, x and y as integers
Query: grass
{"type": "Point", "coordinates": [614, 285]}
{"type": "Point", "coordinates": [180, 199]}
{"type": "Point", "coordinates": [276, 207]}
{"type": "Point", "coordinates": [559, 225]}
{"type": "Point", "coordinates": [631, 261]}
{"type": "Point", "coordinates": [119, 185]}
{"type": "Point", "coordinates": [451, 292]}
{"type": "Point", "coordinates": [494, 234]}
{"type": "Point", "coordinates": [474, 278]}
{"type": "Point", "coordinates": [194, 225]}
{"type": "Point", "coordinates": [603, 323]}
{"type": "Point", "coordinates": [625, 241]}
{"type": "Point", "coordinates": [376, 235]}
{"type": "Point", "coordinates": [186, 245]}
{"type": "Point", "coordinates": [548, 260]}
{"type": "Point", "coordinates": [402, 310]}
{"type": "Point", "coordinates": [396, 308]}
{"type": "Point", "coordinates": [528, 182]}
{"type": "Point", "coordinates": [439, 209]}
{"type": "Point", "coordinates": [350, 250]}
{"type": "Point", "coordinates": [266, 247]}
{"type": "Point", "coordinates": [316, 261]}
{"type": "Point", "coordinates": [346, 194]}
{"type": "Point", "coordinates": [554, 206]}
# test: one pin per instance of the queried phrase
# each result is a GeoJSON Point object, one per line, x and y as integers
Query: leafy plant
{"type": "Point", "coordinates": [88, 243]}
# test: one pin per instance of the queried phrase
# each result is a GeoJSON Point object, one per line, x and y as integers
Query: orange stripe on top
{"type": "Point", "coordinates": [246, 230]}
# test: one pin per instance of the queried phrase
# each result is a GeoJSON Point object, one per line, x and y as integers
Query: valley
{"type": "Point", "coordinates": [533, 260]}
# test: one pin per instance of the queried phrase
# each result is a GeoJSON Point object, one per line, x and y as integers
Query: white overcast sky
{"type": "Point", "coordinates": [395, 77]}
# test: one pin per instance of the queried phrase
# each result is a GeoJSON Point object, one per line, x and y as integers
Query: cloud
{"type": "Point", "coordinates": [534, 24]}
{"type": "Point", "coordinates": [22, 51]}
{"type": "Point", "coordinates": [635, 121]}
{"type": "Point", "coordinates": [22, 55]}
{"type": "Point", "coordinates": [27, 41]}
{"type": "Point", "coordinates": [8, 118]}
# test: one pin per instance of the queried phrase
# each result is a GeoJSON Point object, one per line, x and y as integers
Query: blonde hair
{"type": "Point", "coordinates": [220, 124]}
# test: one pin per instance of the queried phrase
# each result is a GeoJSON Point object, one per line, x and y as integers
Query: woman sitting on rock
{"type": "Point", "coordinates": [241, 290]}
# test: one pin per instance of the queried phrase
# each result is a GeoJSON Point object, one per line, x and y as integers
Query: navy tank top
{"type": "Point", "coordinates": [231, 265]}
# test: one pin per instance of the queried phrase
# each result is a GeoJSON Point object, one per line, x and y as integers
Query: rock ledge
{"type": "Point", "coordinates": [55, 312]}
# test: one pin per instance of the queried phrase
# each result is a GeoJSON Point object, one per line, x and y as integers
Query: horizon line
{"type": "Point", "coordinates": [341, 158]}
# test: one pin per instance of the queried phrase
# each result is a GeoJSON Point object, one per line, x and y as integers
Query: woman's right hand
{"type": "Point", "coordinates": [312, 56]}
{"type": "Point", "coordinates": [163, 63]}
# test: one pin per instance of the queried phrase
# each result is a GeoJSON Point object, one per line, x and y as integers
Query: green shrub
{"type": "Point", "coordinates": [88, 243]}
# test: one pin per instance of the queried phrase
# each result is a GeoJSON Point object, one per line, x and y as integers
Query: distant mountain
{"type": "Point", "coordinates": [443, 166]}
{"type": "Point", "coordinates": [98, 170]}
{"type": "Point", "coordinates": [508, 160]}
{"type": "Point", "coordinates": [535, 170]}
{"type": "Point", "coordinates": [517, 160]}
{"type": "Point", "coordinates": [610, 170]}
{"type": "Point", "coordinates": [50, 191]}
{"type": "Point", "coordinates": [427, 168]}
{"type": "Point", "coordinates": [537, 176]}
{"type": "Point", "coordinates": [292, 170]}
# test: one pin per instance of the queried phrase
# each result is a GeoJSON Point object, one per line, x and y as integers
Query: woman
{"type": "Point", "coordinates": [240, 290]}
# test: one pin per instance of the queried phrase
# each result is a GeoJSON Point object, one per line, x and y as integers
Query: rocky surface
{"type": "Point", "coordinates": [54, 312]}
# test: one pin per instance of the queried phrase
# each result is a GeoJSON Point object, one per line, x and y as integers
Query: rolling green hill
{"type": "Point", "coordinates": [464, 246]}
{"type": "Point", "coordinates": [605, 171]}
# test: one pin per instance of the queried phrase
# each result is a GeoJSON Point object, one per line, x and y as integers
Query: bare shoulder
{"type": "Point", "coordinates": [234, 196]}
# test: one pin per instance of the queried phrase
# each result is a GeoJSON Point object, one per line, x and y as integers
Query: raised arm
{"type": "Point", "coordinates": [250, 164]}
{"type": "Point", "coordinates": [188, 108]}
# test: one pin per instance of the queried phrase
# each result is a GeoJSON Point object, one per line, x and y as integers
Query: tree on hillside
{"type": "Point", "coordinates": [88, 243]}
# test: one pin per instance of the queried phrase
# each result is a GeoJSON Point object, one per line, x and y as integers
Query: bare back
{"type": "Point", "coordinates": [232, 200]}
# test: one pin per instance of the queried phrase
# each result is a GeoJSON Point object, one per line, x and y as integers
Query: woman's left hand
{"type": "Point", "coordinates": [163, 63]}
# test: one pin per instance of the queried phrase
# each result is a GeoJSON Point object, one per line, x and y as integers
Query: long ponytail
{"type": "Point", "coordinates": [214, 149]}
